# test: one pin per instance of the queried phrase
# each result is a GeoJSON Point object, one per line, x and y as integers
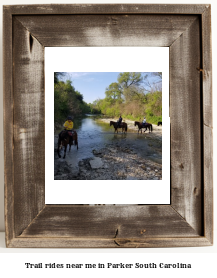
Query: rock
{"type": "Point", "coordinates": [96, 163]}
{"type": "Point", "coordinates": [114, 161]}
{"type": "Point", "coordinates": [96, 152]}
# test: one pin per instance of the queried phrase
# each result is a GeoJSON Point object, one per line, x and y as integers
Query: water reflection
{"type": "Point", "coordinates": [93, 134]}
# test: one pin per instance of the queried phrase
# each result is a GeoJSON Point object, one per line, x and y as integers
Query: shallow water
{"type": "Point", "coordinates": [93, 134]}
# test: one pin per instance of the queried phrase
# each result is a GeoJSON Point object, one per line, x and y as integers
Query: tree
{"type": "Point", "coordinates": [158, 74]}
{"type": "Point", "coordinates": [127, 79]}
{"type": "Point", "coordinates": [113, 91]}
{"type": "Point", "coordinates": [155, 85]}
{"type": "Point", "coordinates": [67, 101]}
{"type": "Point", "coordinates": [56, 76]}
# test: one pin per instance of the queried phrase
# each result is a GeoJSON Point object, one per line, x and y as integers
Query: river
{"type": "Point", "coordinates": [95, 134]}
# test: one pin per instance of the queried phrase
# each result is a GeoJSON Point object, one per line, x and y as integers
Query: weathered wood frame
{"type": "Point", "coordinates": [188, 220]}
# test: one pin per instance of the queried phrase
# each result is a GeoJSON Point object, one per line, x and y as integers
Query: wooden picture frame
{"type": "Point", "coordinates": [186, 30]}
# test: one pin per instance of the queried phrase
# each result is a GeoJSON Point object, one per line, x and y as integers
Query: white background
{"type": "Point", "coordinates": [203, 258]}
{"type": "Point", "coordinates": [67, 59]}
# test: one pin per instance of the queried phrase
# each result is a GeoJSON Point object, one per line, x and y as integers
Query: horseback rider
{"type": "Point", "coordinates": [68, 125]}
{"type": "Point", "coordinates": [119, 121]}
{"type": "Point", "coordinates": [144, 122]}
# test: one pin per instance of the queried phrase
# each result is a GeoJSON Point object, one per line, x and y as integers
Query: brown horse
{"type": "Point", "coordinates": [122, 125]}
{"type": "Point", "coordinates": [140, 126]}
{"type": "Point", "coordinates": [67, 138]}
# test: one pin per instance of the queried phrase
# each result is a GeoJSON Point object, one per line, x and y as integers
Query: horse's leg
{"type": "Point", "coordinates": [65, 150]}
{"type": "Point", "coordinates": [58, 148]}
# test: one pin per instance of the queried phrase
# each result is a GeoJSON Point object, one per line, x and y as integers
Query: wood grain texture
{"type": "Point", "coordinates": [106, 9]}
{"type": "Point", "coordinates": [62, 242]}
{"type": "Point", "coordinates": [185, 116]}
{"type": "Point", "coordinates": [8, 126]}
{"type": "Point", "coordinates": [207, 122]}
{"type": "Point", "coordinates": [208, 183]}
{"type": "Point", "coordinates": [207, 67]}
{"type": "Point", "coordinates": [29, 141]}
{"type": "Point", "coordinates": [109, 222]}
{"type": "Point", "coordinates": [188, 222]}
{"type": "Point", "coordinates": [69, 242]}
{"type": "Point", "coordinates": [107, 30]}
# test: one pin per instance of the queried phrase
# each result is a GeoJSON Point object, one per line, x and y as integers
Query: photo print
{"type": "Point", "coordinates": [111, 126]}
{"type": "Point", "coordinates": [108, 125]}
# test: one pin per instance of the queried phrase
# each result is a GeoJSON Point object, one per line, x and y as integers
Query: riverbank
{"type": "Point", "coordinates": [129, 156]}
{"type": "Point", "coordinates": [113, 162]}
{"type": "Point", "coordinates": [157, 130]}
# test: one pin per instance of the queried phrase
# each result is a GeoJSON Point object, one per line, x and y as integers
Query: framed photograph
{"type": "Point", "coordinates": [102, 39]}
{"type": "Point", "coordinates": [103, 152]}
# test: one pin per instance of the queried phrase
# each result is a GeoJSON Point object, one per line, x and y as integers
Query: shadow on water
{"type": "Point", "coordinates": [93, 134]}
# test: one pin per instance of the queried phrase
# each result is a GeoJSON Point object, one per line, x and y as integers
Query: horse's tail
{"type": "Point", "coordinates": [76, 142]}
{"type": "Point", "coordinates": [76, 139]}
{"type": "Point", "coordinates": [126, 127]}
{"type": "Point", "coordinates": [134, 123]}
{"type": "Point", "coordinates": [151, 127]}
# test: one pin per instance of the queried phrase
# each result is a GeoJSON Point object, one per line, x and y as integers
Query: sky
{"type": "Point", "coordinates": [92, 85]}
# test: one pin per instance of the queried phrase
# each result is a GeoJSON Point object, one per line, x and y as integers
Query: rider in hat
{"type": "Point", "coordinates": [68, 125]}
{"type": "Point", "coordinates": [144, 121]}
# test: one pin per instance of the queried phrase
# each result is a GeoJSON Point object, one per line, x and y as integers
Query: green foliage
{"type": "Point", "coordinates": [57, 75]}
{"type": "Point", "coordinates": [128, 98]}
{"type": "Point", "coordinates": [113, 91]}
{"type": "Point", "coordinates": [67, 101]}
{"type": "Point", "coordinates": [127, 79]}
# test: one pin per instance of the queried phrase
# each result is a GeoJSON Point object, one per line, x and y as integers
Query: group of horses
{"type": "Point", "coordinates": [123, 126]}
{"type": "Point", "coordinates": [71, 138]}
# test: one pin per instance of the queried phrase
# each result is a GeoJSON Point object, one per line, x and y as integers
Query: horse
{"type": "Point", "coordinates": [140, 126]}
{"type": "Point", "coordinates": [122, 125]}
{"type": "Point", "coordinates": [159, 123]}
{"type": "Point", "coordinates": [67, 138]}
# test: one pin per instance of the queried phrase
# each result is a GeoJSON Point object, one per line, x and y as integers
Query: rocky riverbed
{"type": "Point", "coordinates": [125, 157]}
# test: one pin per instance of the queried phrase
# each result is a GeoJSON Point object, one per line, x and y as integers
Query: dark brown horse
{"type": "Point", "coordinates": [67, 138]}
{"type": "Point", "coordinates": [159, 123]}
{"type": "Point", "coordinates": [141, 126]}
{"type": "Point", "coordinates": [122, 125]}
